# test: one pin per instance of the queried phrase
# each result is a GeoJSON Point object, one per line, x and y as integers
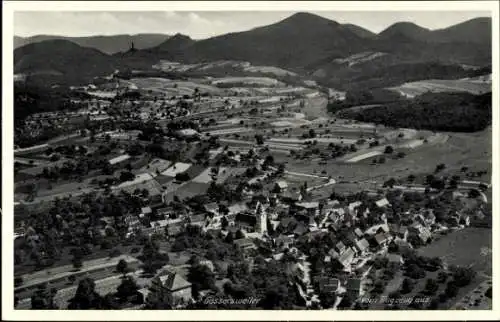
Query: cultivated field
{"type": "Point", "coordinates": [474, 86]}
{"type": "Point", "coordinates": [263, 81]}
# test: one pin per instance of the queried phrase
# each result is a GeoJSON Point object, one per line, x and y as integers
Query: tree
{"type": "Point", "coordinates": [388, 149]}
{"type": "Point", "coordinates": [259, 139]}
{"type": "Point", "coordinates": [440, 167]}
{"type": "Point", "coordinates": [407, 286]}
{"type": "Point", "coordinates": [489, 293]}
{"type": "Point", "coordinates": [77, 258]}
{"type": "Point", "coordinates": [122, 267]}
{"type": "Point", "coordinates": [86, 298]}
{"type": "Point", "coordinates": [18, 281]}
{"type": "Point", "coordinates": [346, 302]}
{"type": "Point", "coordinates": [431, 287]}
{"type": "Point", "coordinates": [451, 290]}
{"type": "Point", "coordinates": [127, 289]}
{"type": "Point", "coordinates": [43, 299]}
{"type": "Point", "coordinates": [442, 277]}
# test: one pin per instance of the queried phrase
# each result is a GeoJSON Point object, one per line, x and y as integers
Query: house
{"type": "Point", "coordinates": [173, 231]}
{"type": "Point", "coordinates": [146, 211]}
{"type": "Point", "coordinates": [237, 208]}
{"type": "Point", "coordinates": [246, 221]}
{"type": "Point", "coordinates": [197, 220]}
{"type": "Point", "coordinates": [394, 258]}
{"type": "Point", "coordinates": [283, 241]}
{"type": "Point", "coordinates": [382, 203]}
{"type": "Point", "coordinates": [212, 208]}
{"type": "Point", "coordinates": [403, 245]}
{"type": "Point", "coordinates": [280, 186]}
{"type": "Point", "coordinates": [362, 245]}
{"type": "Point", "coordinates": [244, 243]}
{"type": "Point", "coordinates": [382, 239]}
{"type": "Point", "coordinates": [287, 224]}
{"type": "Point", "coordinates": [464, 220]}
{"type": "Point", "coordinates": [207, 263]}
{"type": "Point", "coordinates": [345, 259]}
{"type": "Point", "coordinates": [132, 223]}
{"type": "Point", "coordinates": [310, 208]}
{"type": "Point", "coordinates": [328, 284]}
{"type": "Point", "coordinates": [169, 284]}
{"type": "Point", "coordinates": [336, 215]}
{"type": "Point", "coordinates": [340, 247]}
{"type": "Point", "coordinates": [300, 229]}
{"type": "Point", "coordinates": [423, 233]}
{"type": "Point", "coordinates": [333, 253]}
{"type": "Point", "coordinates": [352, 207]}
{"type": "Point", "coordinates": [290, 197]}
{"type": "Point", "coordinates": [358, 233]}
{"type": "Point", "coordinates": [354, 287]}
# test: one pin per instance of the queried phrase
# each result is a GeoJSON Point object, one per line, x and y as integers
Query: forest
{"type": "Point", "coordinates": [454, 112]}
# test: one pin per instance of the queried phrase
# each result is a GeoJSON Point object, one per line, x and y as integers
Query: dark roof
{"type": "Point", "coordinates": [300, 229]}
{"type": "Point", "coordinates": [246, 218]}
{"type": "Point", "coordinates": [353, 284]}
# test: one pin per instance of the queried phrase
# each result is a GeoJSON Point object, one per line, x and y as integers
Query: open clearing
{"type": "Point", "coordinates": [473, 86]}
{"type": "Point", "coordinates": [263, 81]}
{"type": "Point", "coordinates": [470, 247]}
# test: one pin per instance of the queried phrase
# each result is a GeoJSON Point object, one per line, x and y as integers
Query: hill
{"type": "Point", "coordinates": [359, 31]}
{"type": "Point", "coordinates": [175, 43]}
{"type": "Point", "coordinates": [62, 61]}
{"type": "Point", "coordinates": [407, 30]}
{"type": "Point", "coordinates": [332, 53]}
{"type": "Point", "coordinates": [293, 42]}
{"type": "Point", "coordinates": [454, 112]}
{"type": "Point", "coordinates": [477, 31]}
{"type": "Point", "coordinates": [107, 44]}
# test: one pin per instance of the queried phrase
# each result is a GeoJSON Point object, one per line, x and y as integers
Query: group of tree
{"type": "Point", "coordinates": [455, 112]}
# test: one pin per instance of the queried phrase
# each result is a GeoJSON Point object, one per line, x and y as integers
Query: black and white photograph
{"type": "Point", "coordinates": [284, 158]}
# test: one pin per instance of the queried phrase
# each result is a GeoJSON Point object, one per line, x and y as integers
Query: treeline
{"type": "Point", "coordinates": [33, 98]}
{"type": "Point", "coordinates": [454, 112]}
{"type": "Point", "coordinates": [363, 97]}
{"type": "Point", "coordinates": [367, 76]}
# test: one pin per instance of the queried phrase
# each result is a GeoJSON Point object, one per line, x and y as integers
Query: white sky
{"type": "Point", "coordinates": [206, 24]}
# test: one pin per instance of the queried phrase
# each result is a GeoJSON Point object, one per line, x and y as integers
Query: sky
{"type": "Point", "coordinates": [205, 24]}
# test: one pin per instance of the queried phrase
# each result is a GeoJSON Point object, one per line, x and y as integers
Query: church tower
{"type": "Point", "coordinates": [261, 215]}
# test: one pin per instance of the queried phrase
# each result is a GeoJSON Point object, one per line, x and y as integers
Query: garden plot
{"type": "Point", "coordinates": [177, 168]}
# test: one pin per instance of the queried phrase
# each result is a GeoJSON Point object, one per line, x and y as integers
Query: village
{"type": "Point", "coordinates": [161, 194]}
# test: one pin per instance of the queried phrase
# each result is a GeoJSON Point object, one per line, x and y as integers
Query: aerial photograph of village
{"type": "Point", "coordinates": [259, 160]}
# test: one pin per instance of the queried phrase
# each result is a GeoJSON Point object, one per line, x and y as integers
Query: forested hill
{"type": "Point", "coordinates": [454, 112]}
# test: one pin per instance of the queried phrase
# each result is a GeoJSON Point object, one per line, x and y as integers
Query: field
{"type": "Point", "coordinates": [472, 86]}
{"type": "Point", "coordinates": [470, 247]}
{"type": "Point", "coordinates": [268, 70]}
{"type": "Point", "coordinates": [171, 87]}
{"type": "Point", "coordinates": [187, 190]}
{"type": "Point", "coordinates": [262, 81]}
